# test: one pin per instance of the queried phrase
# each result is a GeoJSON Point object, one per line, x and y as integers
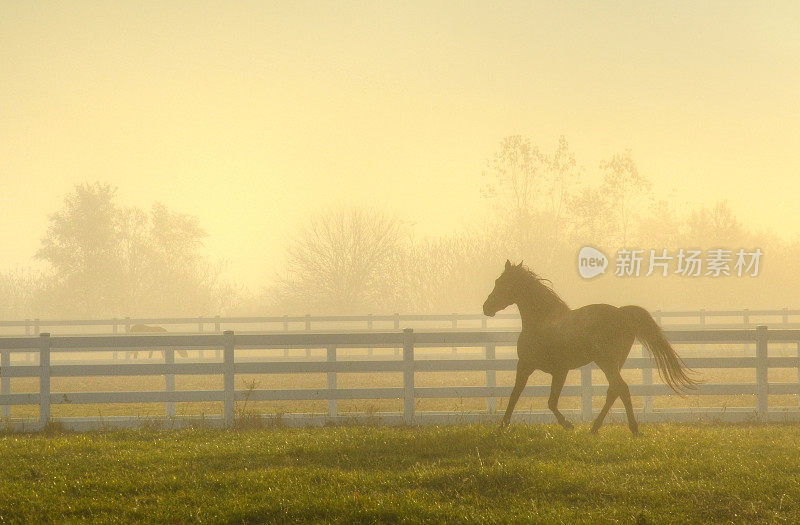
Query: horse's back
{"type": "Point", "coordinates": [604, 329]}
{"type": "Point", "coordinates": [581, 336]}
{"type": "Point", "coordinates": [601, 316]}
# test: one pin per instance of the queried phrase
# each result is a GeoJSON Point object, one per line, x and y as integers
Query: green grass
{"type": "Point", "coordinates": [673, 473]}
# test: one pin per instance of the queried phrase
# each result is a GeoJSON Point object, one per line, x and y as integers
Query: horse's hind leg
{"type": "Point", "coordinates": [625, 395]}
{"type": "Point", "coordinates": [611, 371]}
{"type": "Point", "coordinates": [617, 387]}
{"type": "Point", "coordinates": [611, 396]}
{"type": "Point", "coordinates": [555, 391]}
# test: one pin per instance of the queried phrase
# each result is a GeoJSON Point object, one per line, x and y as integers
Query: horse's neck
{"type": "Point", "coordinates": [536, 314]}
{"type": "Point", "coordinates": [531, 316]}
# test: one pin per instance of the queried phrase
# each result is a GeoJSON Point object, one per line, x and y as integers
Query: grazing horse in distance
{"type": "Point", "coordinates": [145, 329]}
{"type": "Point", "coordinates": [557, 339]}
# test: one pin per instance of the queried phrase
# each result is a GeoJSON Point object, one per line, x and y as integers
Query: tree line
{"type": "Point", "coordinates": [104, 259]}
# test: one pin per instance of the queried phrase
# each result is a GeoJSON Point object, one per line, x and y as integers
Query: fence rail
{"type": "Point", "coordinates": [743, 318]}
{"type": "Point", "coordinates": [408, 364]}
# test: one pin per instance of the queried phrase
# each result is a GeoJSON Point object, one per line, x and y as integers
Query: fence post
{"type": "Point", "coordinates": [200, 353]}
{"type": "Point", "coordinates": [285, 329]}
{"type": "Point", "coordinates": [586, 392]}
{"type": "Point", "coordinates": [454, 324]}
{"type": "Point", "coordinates": [397, 327]}
{"type": "Point", "coordinates": [746, 321]}
{"type": "Point", "coordinates": [228, 374]}
{"type": "Point", "coordinates": [44, 379]}
{"type": "Point", "coordinates": [115, 331]}
{"type": "Point", "coordinates": [5, 381]}
{"type": "Point", "coordinates": [308, 329]}
{"type": "Point", "coordinates": [491, 380]}
{"type": "Point", "coordinates": [408, 375]}
{"type": "Point", "coordinates": [36, 329]}
{"type": "Point", "coordinates": [785, 320]}
{"type": "Point", "coordinates": [332, 409]}
{"type": "Point", "coordinates": [28, 355]}
{"type": "Point", "coordinates": [762, 380]}
{"type": "Point", "coordinates": [169, 380]}
{"type": "Point", "coordinates": [216, 330]}
{"type": "Point", "coordinates": [127, 331]}
{"type": "Point", "coordinates": [702, 322]}
{"type": "Point", "coordinates": [370, 350]}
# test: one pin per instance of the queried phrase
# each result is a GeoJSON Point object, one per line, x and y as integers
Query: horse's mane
{"type": "Point", "coordinates": [543, 292]}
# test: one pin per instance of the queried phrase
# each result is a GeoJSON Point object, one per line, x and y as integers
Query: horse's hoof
{"type": "Point", "coordinates": [594, 430]}
{"type": "Point", "coordinates": [567, 425]}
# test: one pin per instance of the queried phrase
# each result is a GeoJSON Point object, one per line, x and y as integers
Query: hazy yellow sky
{"type": "Point", "coordinates": [251, 115]}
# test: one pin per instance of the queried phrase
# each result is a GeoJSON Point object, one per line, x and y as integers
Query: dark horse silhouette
{"type": "Point", "coordinates": [145, 329]}
{"type": "Point", "coordinates": [556, 339]}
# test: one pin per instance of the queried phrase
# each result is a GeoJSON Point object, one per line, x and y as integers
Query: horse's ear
{"type": "Point", "coordinates": [520, 264]}
{"type": "Point", "coordinates": [508, 264]}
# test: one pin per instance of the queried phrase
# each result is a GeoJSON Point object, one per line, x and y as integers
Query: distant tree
{"type": "Point", "coordinates": [529, 191]}
{"type": "Point", "coordinates": [627, 190]}
{"type": "Point", "coordinates": [17, 294]}
{"type": "Point", "coordinates": [607, 214]}
{"type": "Point", "coordinates": [111, 260]}
{"type": "Point", "coordinates": [661, 226]}
{"type": "Point", "coordinates": [453, 273]}
{"type": "Point", "coordinates": [82, 245]}
{"type": "Point", "coordinates": [716, 225]}
{"type": "Point", "coordinates": [344, 261]}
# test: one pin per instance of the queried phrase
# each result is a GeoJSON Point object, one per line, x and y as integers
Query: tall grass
{"type": "Point", "coordinates": [673, 473]}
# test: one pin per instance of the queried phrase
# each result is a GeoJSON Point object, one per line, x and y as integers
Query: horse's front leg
{"type": "Point", "coordinates": [523, 372]}
{"type": "Point", "coordinates": [555, 391]}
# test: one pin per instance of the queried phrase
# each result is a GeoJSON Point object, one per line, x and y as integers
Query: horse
{"type": "Point", "coordinates": [557, 339]}
{"type": "Point", "coordinates": [145, 329]}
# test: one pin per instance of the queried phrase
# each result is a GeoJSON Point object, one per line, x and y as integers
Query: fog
{"type": "Point", "coordinates": [295, 158]}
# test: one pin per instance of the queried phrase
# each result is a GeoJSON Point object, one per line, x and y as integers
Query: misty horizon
{"type": "Point", "coordinates": [273, 115]}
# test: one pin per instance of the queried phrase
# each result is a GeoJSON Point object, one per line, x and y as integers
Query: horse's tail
{"type": "Point", "coordinates": [671, 368]}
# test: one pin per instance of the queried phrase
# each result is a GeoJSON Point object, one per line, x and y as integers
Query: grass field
{"type": "Point", "coordinates": [541, 473]}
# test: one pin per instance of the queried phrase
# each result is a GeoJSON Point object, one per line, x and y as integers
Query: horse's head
{"type": "Point", "coordinates": [505, 290]}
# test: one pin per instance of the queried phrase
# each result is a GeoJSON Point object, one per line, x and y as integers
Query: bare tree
{"type": "Point", "coordinates": [715, 225]}
{"type": "Point", "coordinates": [451, 273]}
{"type": "Point", "coordinates": [606, 214]}
{"type": "Point", "coordinates": [625, 189]}
{"type": "Point", "coordinates": [344, 260]}
{"type": "Point", "coordinates": [529, 191]}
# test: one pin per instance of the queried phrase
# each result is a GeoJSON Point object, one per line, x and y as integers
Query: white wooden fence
{"type": "Point", "coordinates": [409, 364]}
